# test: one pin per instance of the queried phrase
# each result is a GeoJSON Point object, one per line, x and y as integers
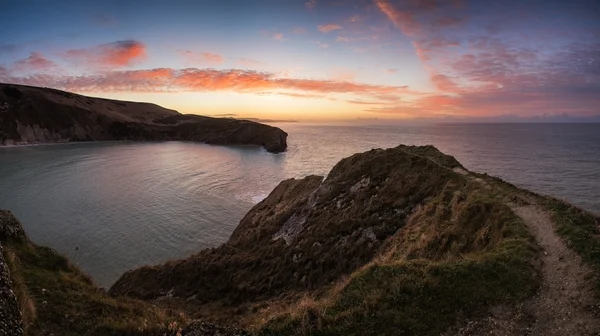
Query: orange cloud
{"type": "Point", "coordinates": [115, 55]}
{"type": "Point", "coordinates": [201, 58]}
{"type": "Point", "coordinates": [203, 80]}
{"type": "Point", "coordinates": [329, 27]}
{"type": "Point", "coordinates": [35, 62]}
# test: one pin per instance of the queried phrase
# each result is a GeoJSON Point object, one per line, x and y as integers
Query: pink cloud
{"type": "Point", "coordinates": [401, 19]}
{"type": "Point", "coordinates": [278, 37]}
{"type": "Point", "coordinates": [328, 28]}
{"type": "Point", "coordinates": [112, 55]}
{"type": "Point", "coordinates": [35, 62]}
{"type": "Point", "coordinates": [203, 80]}
{"type": "Point", "coordinates": [391, 71]}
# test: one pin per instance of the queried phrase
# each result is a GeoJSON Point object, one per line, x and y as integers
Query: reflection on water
{"type": "Point", "coordinates": [129, 204]}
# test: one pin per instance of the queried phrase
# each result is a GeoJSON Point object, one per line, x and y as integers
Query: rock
{"type": "Point", "coordinates": [10, 316]}
{"type": "Point", "coordinates": [10, 227]}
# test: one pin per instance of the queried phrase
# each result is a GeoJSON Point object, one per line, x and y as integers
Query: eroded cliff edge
{"type": "Point", "coordinates": [42, 115]}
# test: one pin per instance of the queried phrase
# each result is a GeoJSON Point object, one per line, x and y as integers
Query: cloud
{"type": "Point", "coordinates": [104, 20]}
{"type": "Point", "coordinates": [248, 62]}
{"type": "Point", "coordinates": [311, 4]}
{"type": "Point", "coordinates": [35, 62]}
{"type": "Point", "coordinates": [111, 55]}
{"type": "Point", "coordinates": [206, 80]}
{"type": "Point", "coordinates": [344, 75]}
{"type": "Point", "coordinates": [8, 47]}
{"type": "Point", "coordinates": [405, 21]}
{"type": "Point", "coordinates": [355, 18]}
{"type": "Point", "coordinates": [299, 31]}
{"type": "Point", "coordinates": [391, 71]}
{"type": "Point", "coordinates": [225, 115]}
{"type": "Point", "coordinates": [322, 45]}
{"type": "Point", "coordinates": [342, 39]}
{"type": "Point", "coordinates": [201, 58]}
{"type": "Point", "coordinates": [278, 37]}
{"type": "Point", "coordinates": [328, 28]}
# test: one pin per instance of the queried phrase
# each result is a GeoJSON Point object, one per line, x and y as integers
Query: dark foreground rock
{"type": "Point", "coordinates": [10, 316]}
{"type": "Point", "coordinates": [42, 115]}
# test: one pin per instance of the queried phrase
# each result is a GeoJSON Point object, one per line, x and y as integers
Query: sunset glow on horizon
{"type": "Point", "coordinates": [314, 59]}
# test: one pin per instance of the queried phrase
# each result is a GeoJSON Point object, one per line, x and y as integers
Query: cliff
{"type": "Point", "coordinates": [396, 241]}
{"type": "Point", "coordinates": [41, 115]}
{"type": "Point", "coordinates": [402, 241]}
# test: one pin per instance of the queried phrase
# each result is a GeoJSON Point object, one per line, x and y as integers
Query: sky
{"type": "Point", "coordinates": [315, 59]}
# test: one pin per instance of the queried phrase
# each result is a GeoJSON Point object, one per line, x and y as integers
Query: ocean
{"type": "Point", "coordinates": [114, 206]}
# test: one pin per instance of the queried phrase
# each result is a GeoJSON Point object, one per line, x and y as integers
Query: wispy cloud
{"type": "Point", "coordinates": [311, 4]}
{"type": "Point", "coordinates": [328, 27]}
{"type": "Point", "coordinates": [248, 62]}
{"type": "Point", "coordinates": [299, 31]}
{"type": "Point", "coordinates": [206, 80]}
{"type": "Point", "coordinates": [278, 37]}
{"type": "Point", "coordinates": [321, 45]}
{"type": "Point", "coordinates": [35, 62]}
{"type": "Point", "coordinates": [195, 58]}
{"type": "Point", "coordinates": [111, 55]}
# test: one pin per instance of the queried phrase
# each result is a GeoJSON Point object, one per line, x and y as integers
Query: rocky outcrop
{"type": "Point", "coordinates": [307, 232]}
{"type": "Point", "coordinates": [10, 316]}
{"type": "Point", "coordinates": [40, 115]}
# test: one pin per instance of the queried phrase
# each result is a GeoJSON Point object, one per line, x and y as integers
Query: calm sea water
{"type": "Point", "coordinates": [111, 207]}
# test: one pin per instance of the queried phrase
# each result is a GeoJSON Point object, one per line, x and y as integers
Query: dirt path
{"type": "Point", "coordinates": [563, 305]}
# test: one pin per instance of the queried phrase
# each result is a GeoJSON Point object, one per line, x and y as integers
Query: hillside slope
{"type": "Point", "coordinates": [402, 241]}
{"type": "Point", "coordinates": [41, 115]}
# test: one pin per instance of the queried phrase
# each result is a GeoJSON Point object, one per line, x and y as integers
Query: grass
{"type": "Point", "coordinates": [580, 230]}
{"type": "Point", "coordinates": [56, 298]}
{"type": "Point", "coordinates": [460, 254]}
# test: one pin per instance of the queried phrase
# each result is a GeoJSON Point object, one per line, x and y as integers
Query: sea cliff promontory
{"type": "Point", "coordinates": [32, 115]}
{"type": "Point", "coordinates": [400, 241]}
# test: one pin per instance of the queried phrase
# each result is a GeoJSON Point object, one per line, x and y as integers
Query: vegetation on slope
{"type": "Point", "coordinates": [459, 254]}
{"type": "Point", "coordinates": [55, 298]}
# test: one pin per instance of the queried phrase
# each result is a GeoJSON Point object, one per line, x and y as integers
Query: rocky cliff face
{"type": "Point", "coordinates": [10, 317]}
{"type": "Point", "coordinates": [40, 115]}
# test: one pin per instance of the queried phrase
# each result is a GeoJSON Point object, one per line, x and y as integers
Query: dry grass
{"type": "Point", "coordinates": [56, 298]}
{"type": "Point", "coordinates": [26, 303]}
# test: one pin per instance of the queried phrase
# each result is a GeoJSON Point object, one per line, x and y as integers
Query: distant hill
{"type": "Point", "coordinates": [31, 115]}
